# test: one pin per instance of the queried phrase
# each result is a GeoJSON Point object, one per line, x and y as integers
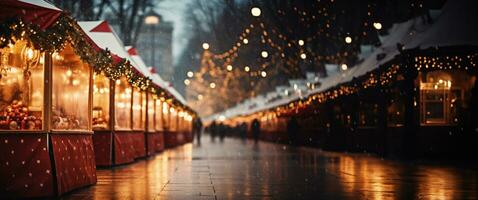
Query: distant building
{"type": "Point", "coordinates": [158, 37]}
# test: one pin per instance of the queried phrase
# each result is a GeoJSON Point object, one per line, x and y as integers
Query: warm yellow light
{"type": "Point", "coordinates": [256, 12]}
{"type": "Point", "coordinates": [151, 20]}
{"type": "Point", "coordinates": [222, 118]}
{"type": "Point", "coordinates": [229, 67]}
{"type": "Point", "coordinates": [187, 82]}
{"type": "Point", "coordinates": [75, 82]}
{"type": "Point", "coordinates": [212, 85]}
{"type": "Point", "coordinates": [344, 67]}
{"type": "Point", "coordinates": [377, 25]}
{"type": "Point", "coordinates": [247, 68]}
{"type": "Point", "coordinates": [30, 53]}
{"type": "Point", "coordinates": [200, 96]}
{"type": "Point", "coordinates": [245, 41]}
{"type": "Point", "coordinates": [348, 40]}
{"type": "Point", "coordinates": [264, 54]}
{"type": "Point", "coordinates": [301, 42]}
{"type": "Point", "coordinates": [303, 56]}
{"type": "Point", "coordinates": [190, 74]}
{"type": "Point", "coordinates": [205, 46]}
{"type": "Point", "coordinates": [118, 82]}
{"type": "Point", "coordinates": [263, 74]}
{"type": "Point", "coordinates": [69, 73]}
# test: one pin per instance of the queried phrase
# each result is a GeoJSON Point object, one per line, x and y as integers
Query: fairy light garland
{"type": "Point", "coordinates": [383, 76]}
{"type": "Point", "coordinates": [66, 31]}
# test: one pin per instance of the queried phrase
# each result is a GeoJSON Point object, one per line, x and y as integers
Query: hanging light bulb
{"type": "Point", "coordinates": [245, 41]}
{"type": "Point", "coordinates": [247, 68]}
{"type": "Point", "coordinates": [301, 42]}
{"type": "Point", "coordinates": [344, 67]}
{"type": "Point", "coordinates": [229, 67]}
{"type": "Point", "coordinates": [264, 54]}
{"type": "Point", "coordinates": [212, 85]}
{"type": "Point", "coordinates": [190, 74]}
{"type": "Point", "coordinates": [377, 25]}
{"type": "Point", "coordinates": [256, 12]}
{"type": "Point", "coordinates": [348, 40]}
{"type": "Point", "coordinates": [303, 56]}
{"type": "Point", "coordinates": [187, 82]}
{"type": "Point", "coordinates": [263, 74]}
{"type": "Point", "coordinates": [205, 46]}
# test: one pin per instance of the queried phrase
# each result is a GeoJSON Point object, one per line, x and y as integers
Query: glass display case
{"type": "Point", "coordinates": [71, 79]}
{"type": "Point", "coordinates": [21, 87]}
{"type": "Point", "coordinates": [442, 96]}
{"type": "Point", "coordinates": [151, 112]}
{"type": "Point", "coordinates": [101, 102]}
{"type": "Point", "coordinates": [173, 124]}
{"type": "Point", "coordinates": [123, 94]}
{"type": "Point", "coordinates": [166, 119]}
{"type": "Point", "coordinates": [139, 117]}
{"type": "Point", "coordinates": [159, 116]}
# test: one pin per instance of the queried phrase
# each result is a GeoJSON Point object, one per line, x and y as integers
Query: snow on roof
{"type": "Point", "coordinates": [140, 65]}
{"type": "Point", "coordinates": [455, 26]}
{"type": "Point", "coordinates": [41, 3]}
{"type": "Point", "coordinates": [105, 37]}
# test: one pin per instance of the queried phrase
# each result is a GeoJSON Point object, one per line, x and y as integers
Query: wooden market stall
{"type": "Point", "coordinates": [46, 102]}
{"type": "Point", "coordinates": [120, 103]}
{"type": "Point", "coordinates": [154, 133]}
{"type": "Point", "coordinates": [413, 96]}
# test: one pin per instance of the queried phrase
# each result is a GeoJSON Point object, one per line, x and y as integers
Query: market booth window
{"type": "Point", "coordinates": [123, 92]}
{"type": "Point", "coordinates": [139, 119]}
{"type": "Point", "coordinates": [442, 96]}
{"type": "Point", "coordinates": [70, 91]}
{"type": "Point", "coordinates": [159, 115]}
{"type": "Point", "coordinates": [46, 97]}
{"type": "Point", "coordinates": [21, 87]}
{"type": "Point", "coordinates": [101, 102]}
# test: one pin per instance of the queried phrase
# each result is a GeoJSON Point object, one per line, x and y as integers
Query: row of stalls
{"type": "Point", "coordinates": [72, 98]}
{"type": "Point", "coordinates": [415, 95]}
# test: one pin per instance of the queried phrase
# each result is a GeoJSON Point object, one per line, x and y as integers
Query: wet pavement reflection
{"type": "Point", "coordinates": [236, 169]}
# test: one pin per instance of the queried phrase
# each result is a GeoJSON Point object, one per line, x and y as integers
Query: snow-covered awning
{"type": "Point", "coordinates": [455, 26]}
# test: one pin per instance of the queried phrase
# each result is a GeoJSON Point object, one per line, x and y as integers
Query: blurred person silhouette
{"type": "Point", "coordinates": [256, 129]}
{"type": "Point", "coordinates": [243, 130]}
{"type": "Point", "coordinates": [213, 130]}
{"type": "Point", "coordinates": [293, 129]}
{"type": "Point", "coordinates": [221, 132]}
{"type": "Point", "coordinates": [197, 130]}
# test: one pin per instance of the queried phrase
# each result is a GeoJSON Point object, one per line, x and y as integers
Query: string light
{"type": "Point", "coordinates": [264, 54]}
{"type": "Point", "coordinates": [245, 41]}
{"type": "Point", "coordinates": [301, 42]}
{"type": "Point", "coordinates": [377, 25]}
{"type": "Point", "coordinates": [190, 74]}
{"type": "Point", "coordinates": [187, 82]}
{"type": "Point", "coordinates": [344, 67]}
{"type": "Point", "coordinates": [256, 12]}
{"type": "Point", "coordinates": [205, 46]}
{"type": "Point", "coordinates": [66, 31]}
{"type": "Point", "coordinates": [247, 69]}
{"type": "Point", "coordinates": [263, 74]}
{"type": "Point", "coordinates": [303, 56]}
{"type": "Point", "coordinates": [212, 85]}
{"type": "Point", "coordinates": [348, 40]}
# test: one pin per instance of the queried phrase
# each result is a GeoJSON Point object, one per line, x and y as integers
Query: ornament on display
{"type": "Point", "coordinates": [16, 117]}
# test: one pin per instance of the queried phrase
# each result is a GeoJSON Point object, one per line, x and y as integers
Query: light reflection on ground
{"type": "Point", "coordinates": [243, 170]}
